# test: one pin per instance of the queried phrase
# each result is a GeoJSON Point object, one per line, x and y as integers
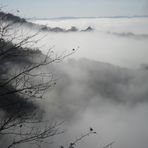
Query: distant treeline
{"type": "Point", "coordinates": [16, 19]}
{"type": "Point", "coordinates": [11, 17]}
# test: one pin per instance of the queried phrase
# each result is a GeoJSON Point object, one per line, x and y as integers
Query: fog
{"type": "Point", "coordinates": [103, 84]}
{"type": "Point", "coordinates": [114, 40]}
{"type": "Point", "coordinates": [110, 99]}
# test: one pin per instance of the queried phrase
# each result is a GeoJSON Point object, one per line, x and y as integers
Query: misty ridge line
{"type": "Point", "coordinates": [128, 35]}
{"type": "Point", "coordinates": [16, 19]}
{"type": "Point", "coordinates": [104, 79]}
{"type": "Point", "coordinates": [46, 28]}
{"type": "Point", "coordinates": [72, 17]}
{"type": "Point", "coordinates": [88, 84]}
{"type": "Point", "coordinates": [26, 22]}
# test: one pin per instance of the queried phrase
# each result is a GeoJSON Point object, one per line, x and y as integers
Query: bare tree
{"type": "Point", "coordinates": [79, 139]}
{"type": "Point", "coordinates": [109, 145]}
{"type": "Point", "coordinates": [21, 86]}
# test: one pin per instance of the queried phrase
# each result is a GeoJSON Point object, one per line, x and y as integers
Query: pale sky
{"type": "Point", "coordinates": [77, 8]}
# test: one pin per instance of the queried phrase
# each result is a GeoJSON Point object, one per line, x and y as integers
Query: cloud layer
{"type": "Point", "coordinates": [110, 98]}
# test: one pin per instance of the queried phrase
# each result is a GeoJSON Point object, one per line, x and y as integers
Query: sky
{"type": "Point", "coordinates": [110, 95]}
{"type": "Point", "coordinates": [77, 8]}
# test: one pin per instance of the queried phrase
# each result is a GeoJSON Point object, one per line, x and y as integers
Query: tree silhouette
{"type": "Point", "coordinates": [21, 83]}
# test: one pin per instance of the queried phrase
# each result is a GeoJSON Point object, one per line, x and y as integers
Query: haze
{"type": "Point", "coordinates": [120, 41]}
{"type": "Point", "coordinates": [104, 84]}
